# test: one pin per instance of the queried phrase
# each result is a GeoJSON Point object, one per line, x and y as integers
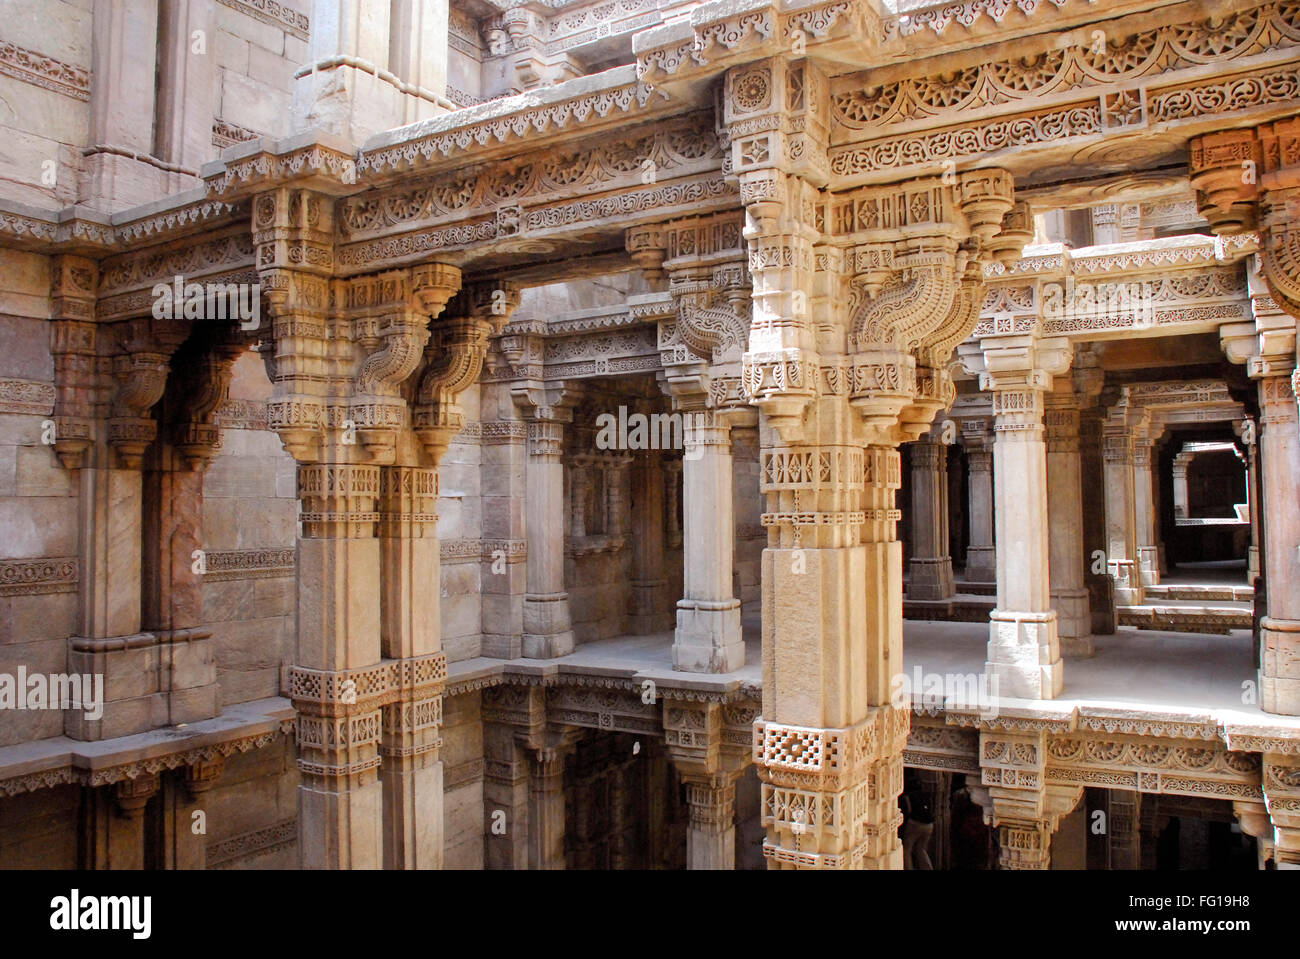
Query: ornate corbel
{"type": "Point", "coordinates": [140, 370]}
{"type": "Point", "coordinates": [205, 379]}
{"type": "Point", "coordinates": [455, 360]}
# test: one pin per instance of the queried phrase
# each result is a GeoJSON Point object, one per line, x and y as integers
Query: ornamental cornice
{"type": "Point", "coordinates": [74, 768]}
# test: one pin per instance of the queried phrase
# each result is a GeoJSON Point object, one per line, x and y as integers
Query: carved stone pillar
{"type": "Point", "coordinates": [546, 808]}
{"type": "Point", "coordinates": [693, 734]}
{"type": "Point", "coordinates": [1123, 828]}
{"type": "Point", "coordinates": [548, 631]}
{"type": "Point", "coordinates": [930, 569]}
{"type": "Point", "coordinates": [707, 639]}
{"type": "Point", "coordinates": [1025, 810]}
{"type": "Point", "coordinates": [1181, 462]}
{"type": "Point", "coordinates": [981, 557]}
{"type": "Point", "coordinates": [672, 488]}
{"type": "Point", "coordinates": [859, 298]}
{"type": "Point", "coordinates": [1279, 453]}
{"type": "Point", "coordinates": [1252, 501]}
{"type": "Point", "coordinates": [1121, 515]}
{"type": "Point", "coordinates": [337, 682]}
{"type": "Point", "coordinates": [1281, 780]}
{"type": "Point", "coordinates": [412, 769]}
{"type": "Point", "coordinates": [1144, 509]}
{"type": "Point", "coordinates": [1065, 527]}
{"type": "Point", "coordinates": [1233, 203]}
{"type": "Point", "coordinates": [1024, 649]}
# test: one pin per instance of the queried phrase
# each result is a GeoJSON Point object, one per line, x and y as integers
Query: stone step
{"type": "Point", "coordinates": [1185, 619]}
{"type": "Point", "coordinates": [1205, 592]}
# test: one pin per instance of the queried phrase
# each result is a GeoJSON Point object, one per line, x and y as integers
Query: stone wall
{"type": "Point", "coordinates": [38, 511]}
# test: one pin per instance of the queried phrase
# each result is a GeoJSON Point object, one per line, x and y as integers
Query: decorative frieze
{"type": "Point", "coordinates": [233, 852]}
{"type": "Point", "coordinates": [233, 564]}
{"type": "Point", "coordinates": [28, 577]}
{"type": "Point", "coordinates": [42, 71]}
{"type": "Point", "coordinates": [274, 13]}
{"type": "Point", "coordinates": [26, 396]}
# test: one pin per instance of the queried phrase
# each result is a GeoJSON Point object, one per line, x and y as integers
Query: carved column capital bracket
{"type": "Point", "coordinates": [82, 384]}
{"type": "Point", "coordinates": [202, 775]}
{"type": "Point", "coordinates": [132, 795]}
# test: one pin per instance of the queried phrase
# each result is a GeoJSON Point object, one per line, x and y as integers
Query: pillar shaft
{"type": "Point", "coordinates": [340, 800]}
{"type": "Point", "coordinates": [930, 569]}
{"type": "Point", "coordinates": [708, 638]}
{"type": "Point", "coordinates": [1024, 651]}
{"type": "Point", "coordinates": [981, 558]}
{"type": "Point", "coordinates": [546, 809]}
{"type": "Point", "coordinates": [649, 586]}
{"type": "Point", "coordinates": [1279, 456]}
{"type": "Point", "coordinates": [410, 636]}
{"type": "Point", "coordinates": [548, 632]}
{"type": "Point", "coordinates": [711, 834]}
{"type": "Point", "coordinates": [1065, 530]}
{"type": "Point", "coordinates": [1144, 510]}
{"type": "Point", "coordinates": [1121, 516]}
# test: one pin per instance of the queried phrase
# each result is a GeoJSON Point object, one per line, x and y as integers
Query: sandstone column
{"type": "Point", "coordinates": [707, 639]}
{"type": "Point", "coordinates": [1252, 502]}
{"type": "Point", "coordinates": [1144, 508]}
{"type": "Point", "coordinates": [931, 567]}
{"type": "Point", "coordinates": [1181, 462]}
{"type": "Point", "coordinates": [1121, 516]}
{"type": "Point", "coordinates": [1065, 527]}
{"type": "Point", "coordinates": [548, 632]}
{"type": "Point", "coordinates": [1024, 650]}
{"type": "Point", "coordinates": [981, 557]}
{"type": "Point", "coordinates": [1279, 454]}
{"type": "Point", "coordinates": [546, 808]}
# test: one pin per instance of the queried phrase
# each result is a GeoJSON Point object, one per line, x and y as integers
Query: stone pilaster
{"type": "Point", "coordinates": [1281, 780]}
{"type": "Point", "coordinates": [1065, 527]}
{"type": "Point", "coordinates": [1123, 828]}
{"type": "Point", "coordinates": [930, 569]}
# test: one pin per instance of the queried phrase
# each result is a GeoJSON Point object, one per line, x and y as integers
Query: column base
{"type": "Point", "coordinates": [547, 627]}
{"type": "Point", "coordinates": [1279, 674]}
{"type": "Point", "coordinates": [648, 614]}
{"type": "Point", "coordinates": [1074, 622]}
{"type": "Point", "coordinates": [1149, 565]}
{"type": "Point", "coordinates": [1128, 582]}
{"type": "Point", "coordinates": [930, 579]}
{"type": "Point", "coordinates": [708, 637]}
{"type": "Point", "coordinates": [1024, 655]}
{"type": "Point", "coordinates": [981, 564]}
